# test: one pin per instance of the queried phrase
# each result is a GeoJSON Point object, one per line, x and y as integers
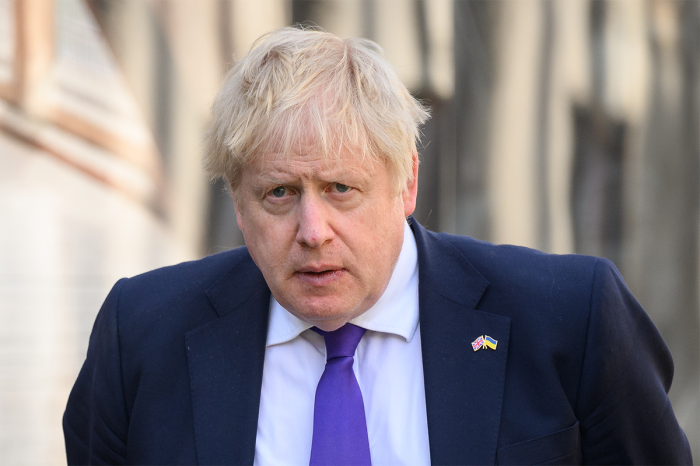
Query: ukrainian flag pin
{"type": "Point", "coordinates": [490, 342]}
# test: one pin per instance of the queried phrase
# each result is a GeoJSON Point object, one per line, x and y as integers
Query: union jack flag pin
{"type": "Point", "coordinates": [478, 343]}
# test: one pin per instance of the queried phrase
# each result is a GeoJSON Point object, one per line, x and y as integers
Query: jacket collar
{"type": "Point", "coordinates": [463, 388]}
{"type": "Point", "coordinates": [225, 358]}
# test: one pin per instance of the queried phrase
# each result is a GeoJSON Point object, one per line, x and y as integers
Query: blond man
{"type": "Point", "coordinates": [346, 333]}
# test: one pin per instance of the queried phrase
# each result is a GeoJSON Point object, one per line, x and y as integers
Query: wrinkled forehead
{"type": "Point", "coordinates": [313, 159]}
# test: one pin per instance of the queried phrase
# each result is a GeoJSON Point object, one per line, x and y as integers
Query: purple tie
{"type": "Point", "coordinates": [340, 428]}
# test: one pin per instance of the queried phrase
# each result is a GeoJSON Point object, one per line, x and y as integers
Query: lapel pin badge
{"type": "Point", "coordinates": [490, 342]}
{"type": "Point", "coordinates": [485, 342]}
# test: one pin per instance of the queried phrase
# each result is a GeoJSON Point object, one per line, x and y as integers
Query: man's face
{"type": "Point", "coordinates": [326, 233]}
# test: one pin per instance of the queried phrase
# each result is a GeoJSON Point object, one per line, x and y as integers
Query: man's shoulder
{"type": "Point", "coordinates": [520, 274]}
{"type": "Point", "coordinates": [196, 274]}
{"type": "Point", "coordinates": [179, 293]}
{"type": "Point", "coordinates": [508, 260]}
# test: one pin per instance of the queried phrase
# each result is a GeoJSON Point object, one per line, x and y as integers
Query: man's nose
{"type": "Point", "coordinates": [314, 229]}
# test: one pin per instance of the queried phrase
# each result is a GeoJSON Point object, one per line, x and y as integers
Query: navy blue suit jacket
{"type": "Point", "coordinates": [580, 375]}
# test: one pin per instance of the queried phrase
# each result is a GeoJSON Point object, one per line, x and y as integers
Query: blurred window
{"type": "Point", "coordinates": [83, 69]}
{"type": "Point", "coordinates": [78, 38]}
{"type": "Point", "coordinates": [58, 73]}
{"type": "Point", "coordinates": [88, 95]}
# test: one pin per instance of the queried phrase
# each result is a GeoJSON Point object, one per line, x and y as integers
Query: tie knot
{"type": "Point", "coordinates": [341, 342]}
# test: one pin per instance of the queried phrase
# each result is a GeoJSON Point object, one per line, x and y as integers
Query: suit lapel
{"type": "Point", "coordinates": [463, 387]}
{"type": "Point", "coordinates": [225, 358]}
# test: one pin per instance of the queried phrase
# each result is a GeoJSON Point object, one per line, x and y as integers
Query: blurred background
{"type": "Point", "coordinates": [567, 126]}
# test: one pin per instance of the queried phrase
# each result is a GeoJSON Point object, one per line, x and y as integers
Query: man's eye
{"type": "Point", "coordinates": [279, 191]}
{"type": "Point", "coordinates": [341, 188]}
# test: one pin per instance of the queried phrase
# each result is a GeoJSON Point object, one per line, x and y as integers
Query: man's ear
{"type": "Point", "coordinates": [238, 216]}
{"type": "Point", "coordinates": [410, 192]}
{"type": "Point", "coordinates": [236, 205]}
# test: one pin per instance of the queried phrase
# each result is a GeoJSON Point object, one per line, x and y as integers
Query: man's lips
{"type": "Point", "coordinates": [319, 276]}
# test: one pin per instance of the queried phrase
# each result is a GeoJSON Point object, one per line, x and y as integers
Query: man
{"type": "Point", "coordinates": [345, 333]}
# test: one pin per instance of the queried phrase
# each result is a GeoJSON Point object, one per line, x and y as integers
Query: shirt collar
{"type": "Point", "coordinates": [395, 312]}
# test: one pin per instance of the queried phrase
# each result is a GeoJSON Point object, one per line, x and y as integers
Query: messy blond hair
{"type": "Point", "coordinates": [298, 87]}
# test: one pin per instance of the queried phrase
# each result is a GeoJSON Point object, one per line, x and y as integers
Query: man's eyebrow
{"type": "Point", "coordinates": [268, 177]}
{"type": "Point", "coordinates": [282, 177]}
{"type": "Point", "coordinates": [269, 180]}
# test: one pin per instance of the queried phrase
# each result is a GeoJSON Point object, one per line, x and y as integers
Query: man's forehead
{"type": "Point", "coordinates": [332, 145]}
{"type": "Point", "coordinates": [313, 162]}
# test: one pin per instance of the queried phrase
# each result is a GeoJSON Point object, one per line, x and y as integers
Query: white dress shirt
{"type": "Point", "coordinates": [388, 366]}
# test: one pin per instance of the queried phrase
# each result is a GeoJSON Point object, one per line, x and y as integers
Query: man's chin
{"type": "Point", "coordinates": [330, 325]}
{"type": "Point", "coordinates": [324, 317]}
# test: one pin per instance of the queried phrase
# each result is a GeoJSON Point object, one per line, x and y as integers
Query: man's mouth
{"type": "Point", "coordinates": [319, 276]}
